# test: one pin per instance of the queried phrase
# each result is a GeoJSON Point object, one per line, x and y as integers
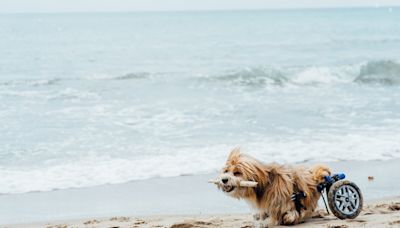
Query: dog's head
{"type": "Point", "coordinates": [241, 167]}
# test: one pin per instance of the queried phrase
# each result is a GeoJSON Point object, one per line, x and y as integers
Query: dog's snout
{"type": "Point", "coordinates": [224, 180]}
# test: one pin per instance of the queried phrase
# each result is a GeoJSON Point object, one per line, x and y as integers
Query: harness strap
{"type": "Point", "coordinates": [296, 198]}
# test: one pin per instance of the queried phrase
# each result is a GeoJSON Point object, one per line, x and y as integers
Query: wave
{"type": "Point", "coordinates": [31, 82]}
{"type": "Point", "coordinates": [128, 76]}
{"type": "Point", "coordinates": [380, 72]}
{"type": "Point", "coordinates": [384, 72]}
{"type": "Point", "coordinates": [102, 169]}
{"type": "Point", "coordinates": [140, 75]}
{"type": "Point", "coordinates": [56, 81]}
{"type": "Point", "coordinates": [255, 77]}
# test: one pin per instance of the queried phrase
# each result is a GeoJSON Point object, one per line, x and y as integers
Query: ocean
{"type": "Point", "coordinates": [90, 99]}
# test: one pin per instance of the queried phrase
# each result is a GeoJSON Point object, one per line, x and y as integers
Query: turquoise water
{"type": "Point", "coordinates": [97, 98]}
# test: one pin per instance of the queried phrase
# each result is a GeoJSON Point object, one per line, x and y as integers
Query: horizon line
{"type": "Point", "coordinates": [205, 10]}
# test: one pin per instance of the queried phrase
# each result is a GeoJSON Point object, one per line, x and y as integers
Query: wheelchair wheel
{"type": "Point", "coordinates": [345, 199]}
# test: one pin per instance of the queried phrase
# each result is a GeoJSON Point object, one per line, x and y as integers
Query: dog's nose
{"type": "Point", "coordinates": [224, 180]}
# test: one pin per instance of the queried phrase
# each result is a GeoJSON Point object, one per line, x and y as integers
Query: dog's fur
{"type": "Point", "coordinates": [276, 184]}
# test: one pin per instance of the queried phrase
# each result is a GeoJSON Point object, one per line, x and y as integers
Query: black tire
{"type": "Point", "coordinates": [345, 199]}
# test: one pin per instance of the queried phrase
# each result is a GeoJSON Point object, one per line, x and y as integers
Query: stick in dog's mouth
{"type": "Point", "coordinates": [249, 184]}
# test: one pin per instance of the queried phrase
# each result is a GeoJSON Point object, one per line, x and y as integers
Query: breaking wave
{"type": "Point", "coordinates": [255, 77]}
{"type": "Point", "coordinates": [128, 76]}
{"type": "Point", "coordinates": [380, 72]}
{"type": "Point", "coordinates": [384, 72]}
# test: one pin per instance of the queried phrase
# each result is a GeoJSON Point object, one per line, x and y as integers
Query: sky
{"type": "Point", "coordinates": [17, 6]}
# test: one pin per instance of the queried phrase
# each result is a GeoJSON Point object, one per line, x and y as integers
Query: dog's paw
{"type": "Point", "coordinates": [256, 216]}
{"type": "Point", "coordinates": [260, 216]}
{"type": "Point", "coordinates": [290, 218]}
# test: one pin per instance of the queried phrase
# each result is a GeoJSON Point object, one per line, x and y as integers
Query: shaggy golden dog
{"type": "Point", "coordinates": [272, 197]}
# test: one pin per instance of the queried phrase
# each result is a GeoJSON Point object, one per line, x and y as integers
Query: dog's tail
{"type": "Point", "coordinates": [319, 172]}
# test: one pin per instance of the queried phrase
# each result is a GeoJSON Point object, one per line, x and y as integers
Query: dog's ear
{"type": "Point", "coordinates": [235, 152]}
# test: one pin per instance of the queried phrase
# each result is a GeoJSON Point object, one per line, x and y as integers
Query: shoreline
{"type": "Point", "coordinates": [186, 196]}
{"type": "Point", "coordinates": [381, 213]}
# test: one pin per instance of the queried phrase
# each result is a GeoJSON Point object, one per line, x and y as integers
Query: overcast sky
{"type": "Point", "coordinates": [11, 6]}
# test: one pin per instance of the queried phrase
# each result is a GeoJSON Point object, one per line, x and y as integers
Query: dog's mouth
{"type": "Point", "coordinates": [228, 188]}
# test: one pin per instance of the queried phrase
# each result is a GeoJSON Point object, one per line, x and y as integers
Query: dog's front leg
{"type": "Point", "coordinates": [260, 219]}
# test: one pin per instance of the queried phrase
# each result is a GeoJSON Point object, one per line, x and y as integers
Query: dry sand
{"type": "Point", "coordinates": [381, 213]}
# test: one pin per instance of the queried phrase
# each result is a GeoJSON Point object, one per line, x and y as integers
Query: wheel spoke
{"type": "Point", "coordinates": [338, 196]}
{"type": "Point", "coordinates": [349, 208]}
{"type": "Point", "coordinates": [339, 203]}
{"type": "Point", "coordinates": [352, 206]}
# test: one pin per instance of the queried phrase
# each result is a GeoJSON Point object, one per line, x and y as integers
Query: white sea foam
{"type": "Point", "coordinates": [62, 94]}
{"type": "Point", "coordinates": [91, 171]}
{"type": "Point", "coordinates": [324, 75]}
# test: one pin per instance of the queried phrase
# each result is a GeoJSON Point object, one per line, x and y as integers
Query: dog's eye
{"type": "Point", "coordinates": [237, 173]}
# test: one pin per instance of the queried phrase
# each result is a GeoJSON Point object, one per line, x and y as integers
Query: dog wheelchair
{"type": "Point", "coordinates": [344, 197]}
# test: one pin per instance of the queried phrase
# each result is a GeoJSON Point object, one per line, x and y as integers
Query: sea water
{"type": "Point", "coordinates": [97, 98]}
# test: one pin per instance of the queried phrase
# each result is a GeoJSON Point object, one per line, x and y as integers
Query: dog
{"type": "Point", "coordinates": [277, 185]}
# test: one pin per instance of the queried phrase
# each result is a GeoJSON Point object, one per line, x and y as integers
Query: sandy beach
{"type": "Point", "coordinates": [382, 213]}
{"type": "Point", "coordinates": [189, 201]}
